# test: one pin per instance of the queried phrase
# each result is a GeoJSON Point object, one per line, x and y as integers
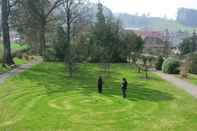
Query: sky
{"type": "Point", "coordinates": [158, 8]}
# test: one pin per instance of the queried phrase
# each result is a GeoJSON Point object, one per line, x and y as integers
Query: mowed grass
{"type": "Point", "coordinates": [45, 99]}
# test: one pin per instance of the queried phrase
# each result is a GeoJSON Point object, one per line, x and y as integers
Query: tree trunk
{"type": "Point", "coordinates": [42, 39]}
{"type": "Point", "coordinates": [7, 57]}
{"type": "Point", "coordinates": [68, 53]}
{"type": "Point", "coordinates": [146, 72]}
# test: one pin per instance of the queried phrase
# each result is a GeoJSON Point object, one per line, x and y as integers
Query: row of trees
{"type": "Point", "coordinates": [34, 18]}
{"type": "Point", "coordinates": [64, 30]}
{"type": "Point", "coordinates": [189, 45]}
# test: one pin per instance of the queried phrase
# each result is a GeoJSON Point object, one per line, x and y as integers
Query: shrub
{"type": "Point", "coordinates": [193, 67]}
{"type": "Point", "coordinates": [171, 66]}
{"type": "Point", "coordinates": [50, 55]}
{"type": "Point", "coordinates": [159, 63]}
{"type": "Point", "coordinates": [185, 68]}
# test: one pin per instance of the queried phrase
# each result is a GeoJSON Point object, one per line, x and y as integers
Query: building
{"type": "Point", "coordinates": [154, 46]}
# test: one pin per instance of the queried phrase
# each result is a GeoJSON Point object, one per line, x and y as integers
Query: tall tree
{"type": "Point", "coordinates": [35, 15]}
{"type": "Point", "coordinates": [99, 34]}
{"type": "Point", "coordinates": [5, 10]}
{"type": "Point", "coordinates": [186, 46]}
{"type": "Point", "coordinates": [189, 45]}
{"type": "Point", "coordinates": [75, 10]}
{"type": "Point", "coordinates": [194, 41]}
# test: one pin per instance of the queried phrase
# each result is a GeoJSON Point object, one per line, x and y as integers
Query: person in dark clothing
{"type": "Point", "coordinates": [100, 85]}
{"type": "Point", "coordinates": [124, 85]}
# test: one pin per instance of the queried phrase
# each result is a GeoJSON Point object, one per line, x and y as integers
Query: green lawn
{"type": "Point", "coordinates": [193, 79]}
{"type": "Point", "coordinates": [17, 62]}
{"type": "Point", "coordinates": [44, 99]}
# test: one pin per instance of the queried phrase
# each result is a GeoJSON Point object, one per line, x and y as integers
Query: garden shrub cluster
{"type": "Point", "coordinates": [171, 66]}
{"type": "Point", "coordinates": [159, 63]}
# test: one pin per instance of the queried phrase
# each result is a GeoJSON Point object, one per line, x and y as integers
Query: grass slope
{"type": "Point", "coordinates": [43, 99]}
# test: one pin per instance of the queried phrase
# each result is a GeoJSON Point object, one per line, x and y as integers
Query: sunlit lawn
{"type": "Point", "coordinates": [45, 99]}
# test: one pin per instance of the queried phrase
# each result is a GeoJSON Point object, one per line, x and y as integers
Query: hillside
{"type": "Point", "coordinates": [152, 23]}
{"type": "Point", "coordinates": [187, 17]}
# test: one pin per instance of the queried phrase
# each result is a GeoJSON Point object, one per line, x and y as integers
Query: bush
{"type": "Point", "coordinates": [185, 68]}
{"type": "Point", "coordinates": [171, 66]}
{"type": "Point", "coordinates": [193, 67]}
{"type": "Point", "coordinates": [50, 55]}
{"type": "Point", "coordinates": [159, 63]}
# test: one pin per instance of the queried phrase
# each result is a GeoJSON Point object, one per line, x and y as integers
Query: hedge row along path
{"type": "Point", "coordinates": [179, 83]}
{"type": "Point", "coordinates": [19, 70]}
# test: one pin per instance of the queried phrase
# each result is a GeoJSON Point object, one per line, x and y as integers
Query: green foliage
{"type": "Point", "coordinates": [192, 78]}
{"type": "Point", "coordinates": [20, 61]}
{"type": "Point", "coordinates": [171, 66]}
{"type": "Point", "coordinates": [50, 55]}
{"type": "Point", "coordinates": [134, 45]}
{"type": "Point", "coordinates": [4, 69]}
{"type": "Point", "coordinates": [60, 44]}
{"type": "Point", "coordinates": [193, 66]}
{"type": "Point", "coordinates": [110, 44]}
{"type": "Point", "coordinates": [186, 46]}
{"type": "Point", "coordinates": [83, 48]}
{"type": "Point", "coordinates": [100, 16]}
{"type": "Point", "coordinates": [16, 48]}
{"type": "Point", "coordinates": [159, 63]}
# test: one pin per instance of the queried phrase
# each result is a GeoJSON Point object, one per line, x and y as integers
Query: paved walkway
{"type": "Point", "coordinates": [179, 83]}
{"type": "Point", "coordinates": [18, 70]}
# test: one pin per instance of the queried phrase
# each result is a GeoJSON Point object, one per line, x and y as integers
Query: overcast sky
{"type": "Point", "coordinates": [153, 7]}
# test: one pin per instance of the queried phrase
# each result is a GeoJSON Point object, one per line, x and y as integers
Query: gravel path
{"type": "Point", "coordinates": [179, 83]}
{"type": "Point", "coordinates": [18, 70]}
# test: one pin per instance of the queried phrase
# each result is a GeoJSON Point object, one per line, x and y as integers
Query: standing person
{"type": "Point", "coordinates": [100, 85]}
{"type": "Point", "coordinates": [124, 85]}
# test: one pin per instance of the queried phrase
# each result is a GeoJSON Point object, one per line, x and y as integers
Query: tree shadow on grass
{"type": "Point", "coordinates": [54, 82]}
{"type": "Point", "coordinates": [138, 92]}
{"type": "Point", "coordinates": [135, 92]}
